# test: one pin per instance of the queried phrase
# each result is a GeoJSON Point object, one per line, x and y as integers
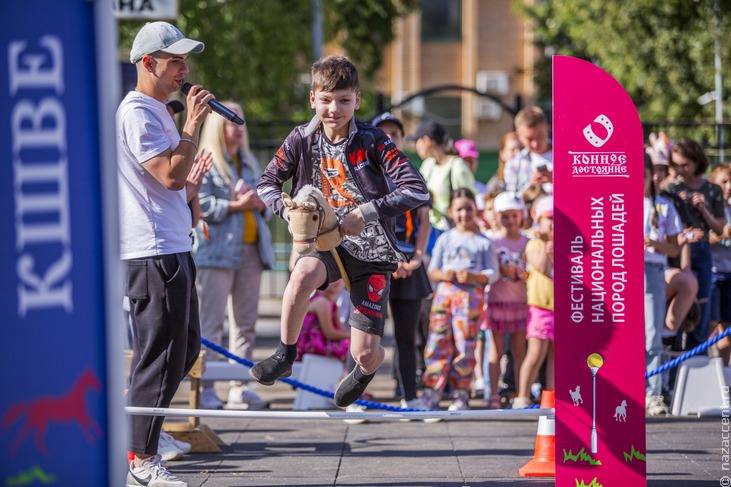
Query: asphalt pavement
{"type": "Point", "coordinates": [267, 452]}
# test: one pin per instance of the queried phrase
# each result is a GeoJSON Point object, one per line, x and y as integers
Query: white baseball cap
{"type": "Point", "coordinates": [161, 36]}
{"type": "Point", "coordinates": [508, 200]}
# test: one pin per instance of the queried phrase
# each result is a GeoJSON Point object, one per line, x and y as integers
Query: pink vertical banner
{"type": "Point", "coordinates": [599, 279]}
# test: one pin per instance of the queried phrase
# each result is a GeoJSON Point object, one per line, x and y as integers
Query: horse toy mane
{"type": "Point", "coordinates": [313, 223]}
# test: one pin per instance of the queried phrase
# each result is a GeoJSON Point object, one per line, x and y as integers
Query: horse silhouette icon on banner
{"type": "Point", "coordinates": [576, 396]}
{"type": "Point", "coordinates": [40, 412]}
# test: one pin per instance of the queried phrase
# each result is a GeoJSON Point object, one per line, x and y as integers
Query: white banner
{"type": "Point", "coordinates": [145, 9]}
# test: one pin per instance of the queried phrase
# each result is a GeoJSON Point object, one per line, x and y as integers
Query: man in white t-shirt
{"type": "Point", "coordinates": [155, 243]}
{"type": "Point", "coordinates": [534, 164]}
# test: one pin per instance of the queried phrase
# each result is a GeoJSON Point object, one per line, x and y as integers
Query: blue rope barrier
{"type": "Point", "coordinates": [301, 385]}
{"type": "Point", "coordinates": [691, 353]}
{"type": "Point", "coordinates": [377, 405]}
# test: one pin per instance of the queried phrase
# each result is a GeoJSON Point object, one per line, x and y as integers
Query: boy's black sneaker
{"type": "Point", "coordinates": [350, 388]}
{"type": "Point", "coordinates": [270, 369]}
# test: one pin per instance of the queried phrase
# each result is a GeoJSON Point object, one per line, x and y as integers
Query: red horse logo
{"type": "Point", "coordinates": [45, 409]}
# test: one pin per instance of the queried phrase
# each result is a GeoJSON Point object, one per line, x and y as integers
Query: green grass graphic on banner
{"type": "Point", "coordinates": [581, 455]}
{"type": "Point", "coordinates": [628, 457]}
{"type": "Point", "coordinates": [593, 483]}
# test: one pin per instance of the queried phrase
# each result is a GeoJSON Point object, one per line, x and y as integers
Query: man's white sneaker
{"type": "Point", "coordinates": [209, 399]}
{"type": "Point", "coordinates": [244, 397]}
{"type": "Point", "coordinates": [152, 473]}
{"type": "Point", "coordinates": [655, 406]}
{"type": "Point", "coordinates": [166, 448]}
{"type": "Point", "coordinates": [180, 445]}
{"type": "Point", "coordinates": [355, 408]}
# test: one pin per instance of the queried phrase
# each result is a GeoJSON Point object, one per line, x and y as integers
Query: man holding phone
{"type": "Point", "coordinates": [534, 164]}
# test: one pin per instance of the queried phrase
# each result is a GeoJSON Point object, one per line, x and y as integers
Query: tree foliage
{"type": "Point", "coordinates": [364, 28]}
{"type": "Point", "coordinates": [661, 52]}
{"type": "Point", "coordinates": [257, 51]}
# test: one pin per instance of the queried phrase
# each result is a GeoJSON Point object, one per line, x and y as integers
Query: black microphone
{"type": "Point", "coordinates": [226, 113]}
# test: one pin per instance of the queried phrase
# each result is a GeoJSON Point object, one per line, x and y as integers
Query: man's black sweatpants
{"type": "Point", "coordinates": [164, 314]}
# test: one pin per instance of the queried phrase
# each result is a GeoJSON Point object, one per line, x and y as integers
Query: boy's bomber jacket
{"type": "Point", "coordinates": [386, 178]}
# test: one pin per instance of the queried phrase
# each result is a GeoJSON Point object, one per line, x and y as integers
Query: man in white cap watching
{"type": "Point", "coordinates": [155, 243]}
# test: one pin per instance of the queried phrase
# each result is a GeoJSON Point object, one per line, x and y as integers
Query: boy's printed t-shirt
{"type": "Point", "coordinates": [331, 174]}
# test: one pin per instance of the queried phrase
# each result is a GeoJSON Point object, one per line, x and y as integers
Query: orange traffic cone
{"type": "Point", "coordinates": [544, 456]}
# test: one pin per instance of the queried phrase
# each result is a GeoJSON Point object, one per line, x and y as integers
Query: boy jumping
{"type": "Point", "coordinates": [368, 182]}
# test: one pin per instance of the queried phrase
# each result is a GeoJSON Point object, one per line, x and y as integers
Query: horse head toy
{"type": "Point", "coordinates": [313, 223]}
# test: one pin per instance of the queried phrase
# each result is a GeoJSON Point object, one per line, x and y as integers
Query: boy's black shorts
{"type": "Point", "coordinates": [370, 283]}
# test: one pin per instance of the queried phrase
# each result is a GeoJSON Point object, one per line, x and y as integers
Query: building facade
{"type": "Point", "coordinates": [481, 44]}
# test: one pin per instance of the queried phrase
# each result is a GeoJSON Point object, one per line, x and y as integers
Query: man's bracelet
{"type": "Point", "coordinates": [191, 142]}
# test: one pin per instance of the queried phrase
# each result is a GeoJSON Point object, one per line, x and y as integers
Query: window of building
{"type": "Point", "coordinates": [447, 110]}
{"type": "Point", "coordinates": [441, 20]}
